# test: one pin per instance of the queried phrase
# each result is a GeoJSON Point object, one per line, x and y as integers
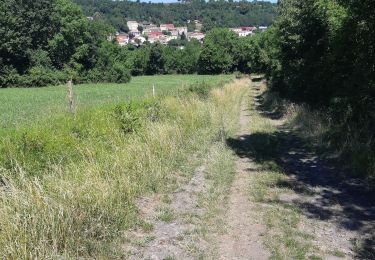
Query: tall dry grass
{"type": "Point", "coordinates": [68, 186]}
{"type": "Point", "coordinates": [349, 143]}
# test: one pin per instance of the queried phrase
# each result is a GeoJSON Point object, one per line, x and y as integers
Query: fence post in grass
{"type": "Point", "coordinates": [71, 96]}
{"type": "Point", "coordinates": [153, 90]}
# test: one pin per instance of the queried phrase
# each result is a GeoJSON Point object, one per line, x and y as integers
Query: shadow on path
{"type": "Point", "coordinates": [325, 192]}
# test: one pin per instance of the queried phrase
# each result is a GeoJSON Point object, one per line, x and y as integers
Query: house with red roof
{"type": "Point", "coordinates": [167, 27]}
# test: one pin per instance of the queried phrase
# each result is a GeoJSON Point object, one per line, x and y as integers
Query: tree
{"type": "Point", "coordinates": [71, 34]}
{"type": "Point", "coordinates": [218, 52]}
{"type": "Point", "coordinates": [111, 65]}
{"type": "Point", "coordinates": [42, 41]}
{"type": "Point", "coordinates": [25, 26]}
{"type": "Point", "coordinates": [138, 60]}
{"type": "Point", "coordinates": [157, 60]}
{"type": "Point", "coordinates": [322, 53]}
{"type": "Point", "coordinates": [303, 43]}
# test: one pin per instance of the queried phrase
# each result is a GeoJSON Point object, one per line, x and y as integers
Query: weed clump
{"type": "Point", "coordinates": [127, 118]}
{"type": "Point", "coordinates": [201, 89]}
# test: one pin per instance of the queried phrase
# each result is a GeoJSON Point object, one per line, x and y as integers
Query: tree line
{"type": "Point", "coordinates": [322, 53]}
{"type": "Point", "coordinates": [211, 13]}
{"type": "Point", "coordinates": [222, 52]}
{"type": "Point", "coordinates": [45, 42]}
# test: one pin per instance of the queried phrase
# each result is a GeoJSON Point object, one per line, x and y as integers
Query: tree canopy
{"type": "Point", "coordinates": [45, 42]}
{"type": "Point", "coordinates": [322, 53]}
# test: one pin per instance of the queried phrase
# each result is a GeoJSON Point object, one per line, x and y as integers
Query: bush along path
{"type": "Point", "coordinates": [303, 205]}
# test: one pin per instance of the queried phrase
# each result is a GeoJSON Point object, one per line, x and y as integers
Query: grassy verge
{"type": "Point", "coordinates": [346, 141]}
{"type": "Point", "coordinates": [68, 185]}
{"type": "Point", "coordinates": [350, 143]}
{"type": "Point", "coordinates": [219, 175]}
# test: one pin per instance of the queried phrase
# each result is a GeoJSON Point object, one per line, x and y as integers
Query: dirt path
{"type": "Point", "coordinates": [244, 237]}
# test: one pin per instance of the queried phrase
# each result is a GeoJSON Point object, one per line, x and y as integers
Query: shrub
{"type": "Point", "coordinates": [40, 76]}
{"type": "Point", "coordinates": [8, 76]}
{"type": "Point", "coordinates": [202, 89]}
{"type": "Point", "coordinates": [127, 117]}
{"type": "Point", "coordinates": [118, 74]}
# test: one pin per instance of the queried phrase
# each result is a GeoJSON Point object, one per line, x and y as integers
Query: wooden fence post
{"type": "Point", "coordinates": [71, 97]}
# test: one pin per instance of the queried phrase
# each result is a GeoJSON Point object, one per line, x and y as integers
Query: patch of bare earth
{"type": "Point", "coordinates": [169, 238]}
{"type": "Point", "coordinates": [243, 239]}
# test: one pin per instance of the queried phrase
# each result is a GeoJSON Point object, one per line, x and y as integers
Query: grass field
{"type": "Point", "coordinates": [20, 105]}
{"type": "Point", "coordinates": [68, 185]}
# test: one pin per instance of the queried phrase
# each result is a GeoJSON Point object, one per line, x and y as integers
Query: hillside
{"type": "Point", "coordinates": [211, 14]}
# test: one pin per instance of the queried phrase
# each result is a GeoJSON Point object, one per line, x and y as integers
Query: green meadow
{"type": "Point", "coordinates": [25, 105]}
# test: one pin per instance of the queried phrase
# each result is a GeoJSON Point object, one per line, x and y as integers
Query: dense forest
{"type": "Point", "coordinates": [211, 14]}
{"type": "Point", "coordinates": [322, 54]}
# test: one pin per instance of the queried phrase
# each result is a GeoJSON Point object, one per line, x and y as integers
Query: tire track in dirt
{"type": "Point", "coordinates": [169, 239]}
{"type": "Point", "coordinates": [244, 237]}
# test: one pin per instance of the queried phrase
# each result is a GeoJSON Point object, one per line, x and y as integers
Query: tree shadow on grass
{"type": "Point", "coordinates": [326, 192]}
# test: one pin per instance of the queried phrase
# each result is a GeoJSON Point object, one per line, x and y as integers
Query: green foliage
{"type": "Point", "coordinates": [201, 89]}
{"type": "Point", "coordinates": [183, 61]}
{"type": "Point", "coordinates": [25, 26]}
{"type": "Point", "coordinates": [71, 34]}
{"type": "Point", "coordinates": [250, 54]}
{"type": "Point", "coordinates": [156, 60]}
{"type": "Point", "coordinates": [127, 117]}
{"type": "Point", "coordinates": [8, 75]}
{"type": "Point", "coordinates": [322, 53]}
{"type": "Point", "coordinates": [138, 60]}
{"type": "Point", "coordinates": [46, 42]}
{"type": "Point", "coordinates": [41, 76]}
{"type": "Point", "coordinates": [218, 52]}
{"type": "Point", "coordinates": [212, 13]}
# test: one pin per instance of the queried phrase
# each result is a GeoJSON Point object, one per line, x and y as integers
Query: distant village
{"type": "Point", "coordinates": [139, 33]}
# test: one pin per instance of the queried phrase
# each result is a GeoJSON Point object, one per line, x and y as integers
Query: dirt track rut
{"type": "Point", "coordinates": [244, 237]}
